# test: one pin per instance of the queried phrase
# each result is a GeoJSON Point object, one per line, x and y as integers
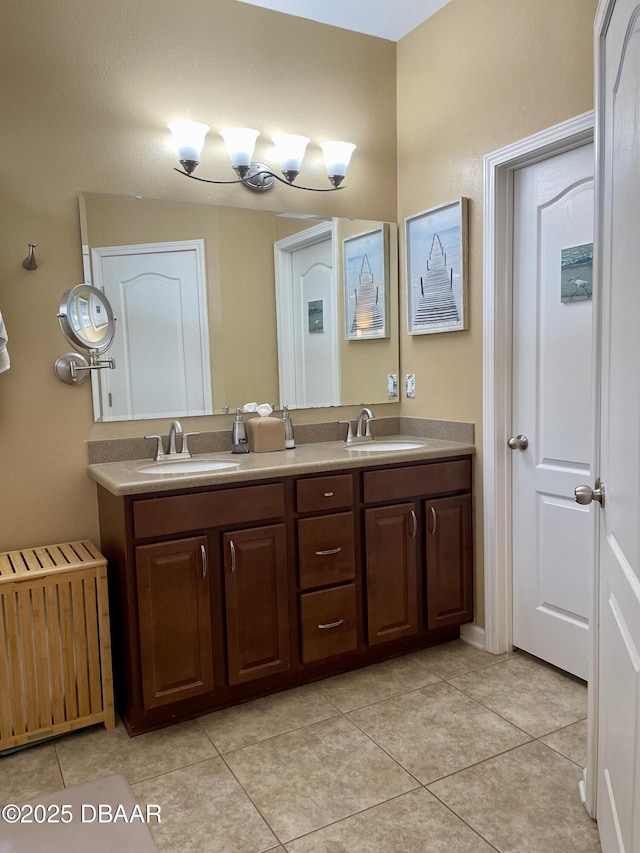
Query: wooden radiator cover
{"type": "Point", "coordinates": [55, 646]}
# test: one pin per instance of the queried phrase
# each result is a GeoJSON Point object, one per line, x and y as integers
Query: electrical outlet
{"type": "Point", "coordinates": [392, 385]}
{"type": "Point", "coordinates": [411, 384]}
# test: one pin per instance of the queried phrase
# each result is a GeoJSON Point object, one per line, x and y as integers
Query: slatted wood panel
{"type": "Point", "coordinates": [55, 652]}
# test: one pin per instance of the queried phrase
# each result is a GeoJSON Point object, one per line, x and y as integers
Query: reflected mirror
{"type": "Point", "coordinates": [86, 319]}
{"type": "Point", "coordinates": [218, 307]}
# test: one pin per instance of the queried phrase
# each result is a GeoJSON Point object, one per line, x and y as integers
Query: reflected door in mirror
{"type": "Point", "coordinates": [162, 345]}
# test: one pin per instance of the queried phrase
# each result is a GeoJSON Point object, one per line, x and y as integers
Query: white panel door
{"type": "Point", "coordinates": [161, 345]}
{"type": "Point", "coordinates": [314, 325]}
{"type": "Point", "coordinates": [618, 232]}
{"type": "Point", "coordinates": [553, 560]}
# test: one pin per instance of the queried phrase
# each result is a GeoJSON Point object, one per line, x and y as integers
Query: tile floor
{"type": "Point", "coordinates": [448, 750]}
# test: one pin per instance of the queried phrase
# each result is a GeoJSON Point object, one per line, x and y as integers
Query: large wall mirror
{"type": "Point", "coordinates": [218, 307]}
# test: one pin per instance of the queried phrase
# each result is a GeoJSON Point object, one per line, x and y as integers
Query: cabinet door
{"type": "Point", "coordinates": [255, 568]}
{"type": "Point", "coordinates": [391, 572]}
{"type": "Point", "coordinates": [175, 620]}
{"type": "Point", "coordinates": [449, 561]}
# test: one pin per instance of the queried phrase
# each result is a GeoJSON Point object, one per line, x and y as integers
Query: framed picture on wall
{"type": "Point", "coordinates": [366, 284]}
{"type": "Point", "coordinates": [436, 246]}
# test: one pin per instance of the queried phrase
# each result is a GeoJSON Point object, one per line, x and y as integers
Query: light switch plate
{"type": "Point", "coordinates": [411, 384]}
{"type": "Point", "coordinates": [392, 385]}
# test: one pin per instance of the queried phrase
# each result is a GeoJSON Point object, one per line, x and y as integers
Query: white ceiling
{"type": "Point", "coordinates": [387, 19]}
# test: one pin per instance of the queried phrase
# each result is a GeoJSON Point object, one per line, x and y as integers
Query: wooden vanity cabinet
{"type": "Point", "coordinates": [391, 556]}
{"type": "Point", "coordinates": [449, 560]}
{"type": "Point", "coordinates": [225, 593]}
{"type": "Point", "coordinates": [175, 653]}
{"type": "Point", "coordinates": [418, 581]}
{"type": "Point", "coordinates": [256, 602]}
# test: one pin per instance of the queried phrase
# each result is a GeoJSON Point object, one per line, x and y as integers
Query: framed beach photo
{"type": "Point", "coordinates": [366, 284]}
{"type": "Point", "coordinates": [436, 247]}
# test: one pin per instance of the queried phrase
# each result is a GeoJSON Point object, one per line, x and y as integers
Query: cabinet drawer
{"type": "Point", "coordinates": [326, 549]}
{"type": "Point", "coordinates": [328, 622]}
{"type": "Point", "coordinates": [320, 493]}
{"type": "Point", "coordinates": [179, 513]}
{"type": "Point", "coordinates": [433, 478]}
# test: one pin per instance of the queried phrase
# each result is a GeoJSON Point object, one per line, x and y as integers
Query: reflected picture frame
{"type": "Point", "coordinates": [365, 278]}
{"type": "Point", "coordinates": [436, 260]}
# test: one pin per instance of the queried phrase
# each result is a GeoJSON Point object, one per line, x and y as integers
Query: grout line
{"type": "Point", "coordinates": [497, 713]}
{"type": "Point", "coordinates": [478, 763]}
{"type": "Point", "coordinates": [465, 822]}
{"type": "Point", "coordinates": [254, 804]}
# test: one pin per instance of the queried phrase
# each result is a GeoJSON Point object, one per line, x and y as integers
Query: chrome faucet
{"type": "Point", "coordinates": [175, 430]}
{"type": "Point", "coordinates": [363, 424]}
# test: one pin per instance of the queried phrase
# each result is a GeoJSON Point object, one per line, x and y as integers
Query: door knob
{"type": "Point", "coordinates": [585, 494]}
{"type": "Point", "coordinates": [518, 442]}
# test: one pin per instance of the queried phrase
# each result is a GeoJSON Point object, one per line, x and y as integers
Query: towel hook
{"type": "Point", "coordinates": [30, 262]}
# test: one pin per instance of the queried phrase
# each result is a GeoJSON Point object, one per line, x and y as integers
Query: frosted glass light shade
{"type": "Point", "coordinates": [337, 156]}
{"type": "Point", "coordinates": [188, 138]}
{"type": "Point", "coordinates": [290, 149]}
{"type": "Point", "coordinates": [240, 142]}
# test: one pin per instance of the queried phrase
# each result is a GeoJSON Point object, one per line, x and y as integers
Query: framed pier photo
{"type": "Point", "coordinates": [366, 284]}
{"type": "Point", "coordinates": [436, 247]}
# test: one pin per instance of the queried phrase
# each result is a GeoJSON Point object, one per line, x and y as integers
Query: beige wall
{"type": "Point", "coordinates": [474, 78]}
{"type": "Point", "coordinates": [87, 89]}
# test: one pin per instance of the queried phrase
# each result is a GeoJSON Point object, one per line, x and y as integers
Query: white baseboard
{"type": "Point", "coordinates": [473, 634]}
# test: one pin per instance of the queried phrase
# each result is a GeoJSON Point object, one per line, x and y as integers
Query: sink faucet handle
{"type": "Point", "coordinates": [367, 428]}
{"type": "Point", "coordinates": [185, 447]}
{"type": "Point", "coordinates": [160, 454]}
{"type": "Point", "coordinates": [349, 436]}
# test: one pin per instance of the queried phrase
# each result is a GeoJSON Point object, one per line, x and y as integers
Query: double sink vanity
{"type": "Point", "coordinates": [235, 576]}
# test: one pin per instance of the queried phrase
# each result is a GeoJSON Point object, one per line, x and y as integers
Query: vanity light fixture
{"type": "Point", "coordinates": [188, 138]}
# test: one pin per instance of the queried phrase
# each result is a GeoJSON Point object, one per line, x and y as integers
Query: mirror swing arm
{"type": "Point", "coordinates": [87, 322]}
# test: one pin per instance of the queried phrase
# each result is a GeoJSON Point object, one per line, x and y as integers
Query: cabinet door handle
{"type": "Point", "coordinates": [205, 561]}
{"type": "Point", "coordinates": [328, 494]}
{"type": "Point", "coordinates": [414, 524]}
{"type": "Point", "coordinates": [328, 552]}
{"type": "Point", "coordinates": [434, 519]}
{"type": "Point", "coordinates": [335, 624]}
{"type": "Point", "coordinates": [232, 548]}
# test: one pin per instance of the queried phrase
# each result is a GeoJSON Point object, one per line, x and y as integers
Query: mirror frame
{"type": "Point", "coordinates": [80, 342]}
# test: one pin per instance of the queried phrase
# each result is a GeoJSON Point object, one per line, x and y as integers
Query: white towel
{"type": "Point", "coordinates": [5, 362]}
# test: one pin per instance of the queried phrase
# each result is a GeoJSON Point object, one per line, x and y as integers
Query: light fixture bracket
{"type": "Point", "coordinates": [259, 178]}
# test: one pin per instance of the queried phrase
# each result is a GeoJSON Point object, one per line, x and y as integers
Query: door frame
{"type": "Point", "coordinates": [499, 167]}
{"type": "Point", "coordinates": [282, 250]}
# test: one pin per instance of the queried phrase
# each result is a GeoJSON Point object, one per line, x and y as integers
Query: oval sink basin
{"type": "Point", "coordinates": [186, 466]}
{"type": "Point", "coordinates": [381, 446]}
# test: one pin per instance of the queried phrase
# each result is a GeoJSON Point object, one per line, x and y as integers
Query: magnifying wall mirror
{"type": "Point", "coordinates": [87, 322]}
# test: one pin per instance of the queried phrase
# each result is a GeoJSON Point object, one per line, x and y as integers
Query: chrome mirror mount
{"type": "Point", "coordinates": [87, 322]}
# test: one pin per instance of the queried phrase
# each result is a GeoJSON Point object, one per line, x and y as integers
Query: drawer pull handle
{"type": "Point", "coordinates": [434, 519]}
{"type": "Point", "coordinates": [328, 552]}
{"type": "Point", "coordinates": [232, 548]}
{"type": "Point", "coordinates": [414, 524]}
{"type": "Point", "coordinates": [335, 624]}
{"type": "Point", "coordinates": [205, 561]}
{"type": "Point", "coordinates": [328, 494]}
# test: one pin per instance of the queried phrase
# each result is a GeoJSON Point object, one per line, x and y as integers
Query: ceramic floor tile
{"type": "Point", "coordinates": [28, 773]}
{"type": "Point", "coordinates": [570, 742]}
{"type": "Point", "coordinates": [535, 697]}
{"type": "Point", "coordinates": [314, 776]}
{"type": "Point", "coordinates": [204, 810]}
{"type": "Point", "coordinates": [436, 730]}
{"type": "Point", "coordinates": [525, 801]}
{"type": "Point", "coordinates": [455, 658]}
{"type": "Point", "coordinates": [98, 752]}
{"type": "Point", "coordinates": [242, 725]}
{"type": "Point", "coordinates": [352, 690]}
{"type": "Point", "coordinates": [412, 823]}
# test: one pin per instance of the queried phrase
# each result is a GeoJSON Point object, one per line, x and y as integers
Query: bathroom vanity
{"type": "Point", "coordinates": [291, 567]}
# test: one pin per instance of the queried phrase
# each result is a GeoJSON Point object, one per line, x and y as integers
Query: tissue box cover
{"type": "Point", "coordinates": [265, 434]}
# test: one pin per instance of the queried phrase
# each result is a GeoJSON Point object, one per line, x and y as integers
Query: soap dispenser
{"type": "Point", "coordinates": [289, 440]}
{"type": "Point", "coordinates": [239, 442]}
